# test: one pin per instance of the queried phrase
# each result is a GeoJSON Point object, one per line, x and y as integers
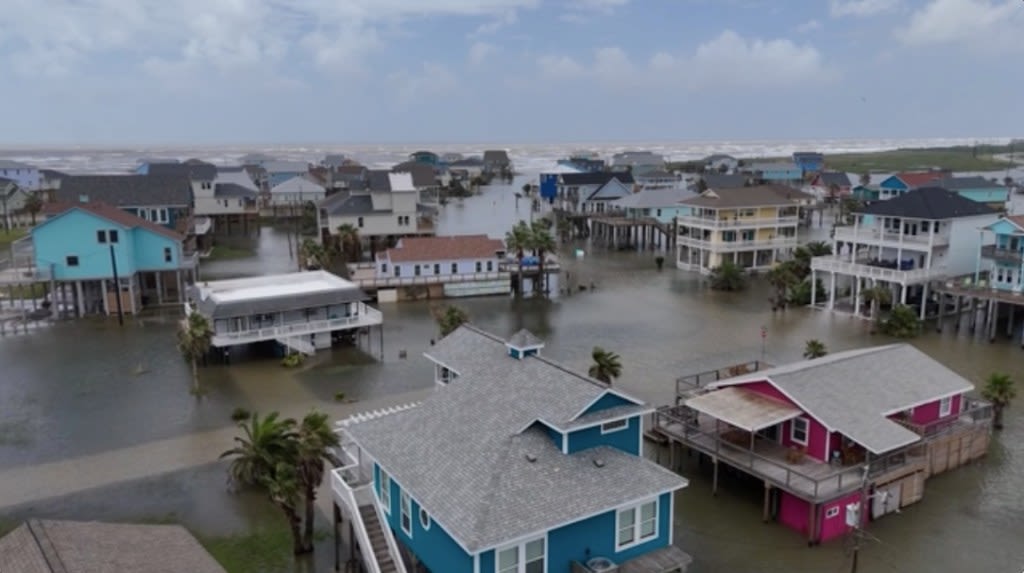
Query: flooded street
{"type": "Point", "coordinates": [88, 387]}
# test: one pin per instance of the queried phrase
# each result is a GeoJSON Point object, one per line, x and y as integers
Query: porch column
{"type": "Point", "coordinates": [131, 294]}
{"type": "Point", "coordinates": [79, 305]}
{"type": "Point", "coordinates": [160, 287]}
{"type": "Point", "coordinates": [993, 318]}
{"type": "Point", "coordinates": [856, 295]}
{"type": "Point", "coordinates": [767, 501]}
{"type": "Point", "coordinates": [924, 302]}
{"type": "Point", "coordinates": [853, 245]}
{"type": "Point", "coordinates": [832, 291]}
{"type": "Point", "coordinates": [337, 537]}
{"type": "Point", "coordinates": [814, 284]}
{"type": "Point", "coordinates": [903, 293]}
{"type": "Point", "coordinates": [1009, 322]}
{"type": "Point", "coordinates": [106, 302]}
{"type": "Point", "coordinates": [181, 287]}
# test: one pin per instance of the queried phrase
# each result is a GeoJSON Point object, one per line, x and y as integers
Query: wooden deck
{"type": "Point", "coordinates": [669, 559]}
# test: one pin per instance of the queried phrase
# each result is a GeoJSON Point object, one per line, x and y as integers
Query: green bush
{"type": "Point", "coordinates": [293, 360]}
{"type": "Point", "coordinates": [239, 414]}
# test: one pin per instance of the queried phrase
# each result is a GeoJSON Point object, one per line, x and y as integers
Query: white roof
{"type": "Point", "coordinates": [560, 169]}
{"type": "Point", "coordinates": [298, 184]}
{"type": "Point", "coordinates": [401, 181]}
{"type": "Point", "coordinates": [272, 286]}
{"type": "Point", "coordinates": [744, 408]}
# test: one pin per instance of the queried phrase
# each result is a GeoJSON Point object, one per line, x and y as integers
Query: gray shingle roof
{"type": "Point", "coordinates": [496, 157]}
{"type": "Point", "coordinates": [193, 169]}
{"type": "Point", "coordinates": [724, 181]}
{"type": "Point", "coordinates": [232, 190]}
{"type": "Point", "coordinates": [524, 339]}
{"type": "Point", "coordinates": [933, 203]}
{"type": "Point", "coordinates": [43, 546]}
{"type": "Point", "coordinates": [463, 452]}
{"type": "Point", "coordinates": [853, 392]}
{"type": "Point", "coordinates": [596, 178]}
{"type": "Point", "coordinates": [837, 178]}
{"type": "Point", "coordinates": [422, 174]}
{"type": "Point", "coordinates": [781, 166]}
{"type": "Point", "coordinates": [654, 198]}
{"type": "Point", "coordinates": [127, 190]}
{"type": "Point", "coordinates": [971, 182]}
{"type": "Point", "coordinates": [345, 203]}
{"type": "Point", "coordinates": [10, 164]}
{"type": "Point", "coordinates": [756, 196]}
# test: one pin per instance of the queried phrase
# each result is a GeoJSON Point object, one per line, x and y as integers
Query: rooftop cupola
{"type": "Point", "coordinates": [523, 344]}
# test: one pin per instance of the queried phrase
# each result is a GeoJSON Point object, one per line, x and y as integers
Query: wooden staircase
{"type": "Point", "coordinates": [378, 541]}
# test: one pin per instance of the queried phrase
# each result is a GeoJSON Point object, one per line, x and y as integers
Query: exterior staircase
{"type": "Point", "coordinates": [378, 540]}
{"type": "Point", "coordinates": [298, 345]}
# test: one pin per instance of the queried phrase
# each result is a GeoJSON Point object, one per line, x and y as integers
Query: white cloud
{"type": "Point", "coordinates": [809, 26]}
{"type": "Point", "coordinates": [579, 10]}
{"type": "Point", "coordinates": [726, 61]}
{"type": "Point", "coordinates": [479, 51]}
{"type": "Point", "coordinates": [840, 8]}
{"type": "Point", "coordinates": [990, 25]}
{"type": "Point", "coordinates": [431, 79]}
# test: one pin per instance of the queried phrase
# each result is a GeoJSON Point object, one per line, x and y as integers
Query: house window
{"type": "Point", "coordinates": [437, 268]}
{"type": "Point", "coordinates": [405, 512]}
{"type": "Point", "coordinates": [416, 270]}
{"type": "Point", "coordinates": [424, 519]}
{"type": "Point", "coordinates": [479, 266]}
{"type": "Point", "coordinates": [71, 261]}
{"type": "Point", "coordinates": [384, 268]}
{"type": "Point", "coordinates": [101, 236]}
{"type": "Point", "coordinates": [945, 406]}
{"type": "Point", "coordinates": [455, 268]}
{"type": "Point", "coordinates": [112, 235]}
{"type": "Point", "coordinates": [385, 492]}
{"type": "Point", "coordinates": [398, 271]}
{"type": "Point", "coordinates": [529, 557]}
{"type": "Point", "coordinates": [636, 525]}
{"type": "Point", "coordinates": [832, 512]}
{"type": "Point", "coordinates": [616, 426]}
{"type": "Point", "coordinates": [359, 222]}
{"type": "Point", "coordinates": [163, 215]}
{"type": "Point", "coordinates": [798, 431]}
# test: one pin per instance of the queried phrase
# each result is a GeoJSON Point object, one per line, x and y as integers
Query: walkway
{"type": "Point", "coordinates": [29, 484]}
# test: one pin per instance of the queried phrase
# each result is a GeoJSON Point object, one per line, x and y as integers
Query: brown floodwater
{"type": "Point", "coordinates": [89, 386]}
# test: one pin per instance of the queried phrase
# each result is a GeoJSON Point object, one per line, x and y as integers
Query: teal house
{"type": "Point", "coordinates": [978, 189]}
{"type": "Point", "coordinates": [93, 251]}
{"type": "Point", "coordinates": [1004, 260]}
{"type": "Point", "coordinates": [515, 464]}
{"type": "Point", "coordinates": [782, 172]}
{"type": "Point", "coordinates": [661, 204]}
{"type": "Point", "coordinates": [899, 183]}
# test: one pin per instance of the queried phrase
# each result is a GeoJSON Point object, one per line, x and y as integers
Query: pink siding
{"type": "Point", "coordinates": [793, 512]}
{"type": "Point", "coordinates": [930, 412]}
{"type": "Point", "coordinates": [833, 527]}
{"type": "Point", "coordinates": [766, 388]}
{"type": "Point", "coordinates": [817, 438]}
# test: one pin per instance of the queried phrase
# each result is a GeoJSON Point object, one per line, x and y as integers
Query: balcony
{"type": "Point", "coordinates": [741, 222]}
{"type": "Point", "coordinates": [370, 280]}
{"type": "Point", "coordinates": [848, 234]}
{"type": "Point", "coordinates": [734, 246]}
{"type": "Point", "coordinates": [368, 317]}
{"type": "Point", "coordinates": [1000, 255]}
{"type": "Point", "coordinates": [833, 264]}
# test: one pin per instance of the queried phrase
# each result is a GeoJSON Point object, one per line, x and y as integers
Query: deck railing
{"type": "Point", "coordinates": [388, 282]}
{"type": "Point", "coordinates": [686, 384]}
{"type": "Point", "coordinates": [1006, 255]}
{"type": "Point", "coordinates": [729, 223]}
{"type": "Point", "coordinates": [367, 317]}
{"type": "Point", "coordinates": [976, 412]}
{"type": "Point", "coordinates": [839, 265]}
{"type": "Point", "coordinates": [729, 246]}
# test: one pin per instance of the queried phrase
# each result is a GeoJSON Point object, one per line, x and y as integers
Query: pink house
{"type": "Point", "coordinates": [829, 433]}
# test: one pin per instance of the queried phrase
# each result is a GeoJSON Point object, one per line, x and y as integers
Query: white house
{"type": "Point", "coordinates": [603, 196]}
{"type": "Point", "coordinates": [721, 162]}
{"type": "Point", "coordinates": [13, 199]}
{"type": "Point", "coordinates": [575, 188]}
{"type": "Point", "coordinates": [464, 265]}
{"type": "Point", "coordinates": [25, 175]}
{"type": "Point", "coordinates": [388, 207]}
{"type": "Point", "coordinates": [904, 243]}
{"type": "Point", "coordinates": [297, 190]}
{"type": "Point", "coordinates": [637, 162]}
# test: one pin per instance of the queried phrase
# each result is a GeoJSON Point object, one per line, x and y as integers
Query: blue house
{"type": "Point", "coordinates": [899, 183]}
{"type": "Point", "coordinates": [1004, 260]}
{"type": "Point", "coordinates": [777, 172]}
{"type": "Point", "coordinates": [978, 189]}
{"type": "Point", "coordinates": [164, 199]}
{"type": "Point", "coordinates": [514, 464]}
{"type": "Point", "coordinates": [94, 251]}
{"type": "Point", "coordinates": [809, 161]}
{"type": "Point", "coordinates": [423, 156]}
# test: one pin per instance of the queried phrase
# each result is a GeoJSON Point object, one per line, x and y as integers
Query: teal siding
{"type": "Point", "coordinates": [990, 195]}
{"type": "Point", "coordinates": [431, 545]}
{"type": "Point", "coordinates": [609, 400]}
{"type": "Point", "coordinates": [150, 253]}
{"type": "Point", "coordinates": [893, 183]}
{"type": "Point", "coordinates": [1003, 227]}
{"type": "Point", "coordinates": [627, 440]}
{"type": "Point", "coordinates": [73, 234]}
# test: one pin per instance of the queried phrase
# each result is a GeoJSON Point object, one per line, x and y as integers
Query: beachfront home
{"type": "Point", "coordinates": [722, 181]}
{"type": "Point", "coordinates": [809, 161]}
{"type": "Point", "coordinates": [452, 266]}
{"type": "Point", "coordinates": [388, 208]}
{"type": "Point", "coordinates": [13, 200]}
{"type": "Point", "coordinates": [424, 177]}
{"type": "Point", "coordinates": [25, 175]}
{"type": "Point", "coordinates": [98, 250]}
{"type": "Point", "coordinates": [865, 193]}
{"type": "Point", "coordinates": [831, 184]}
{"type": "Point", "coordinates": [600, 199]}
{"type": "Point", "coordinates": [587, 161]}
{"type": "Point", "coordinates": [296, 191]}
{"type": "Point", "coordinates": [548, 478]}
{"type": "Point", "coordinates": [786, 173]}
{"type": "Point", "coordinates": [662, 204]}
{"type": "Point", "coordinates": [229, 199]}
{"type": "Point", "coordinates": [922, 235]}
{"type": "Point", "coordinates": [300, 311]}
{"type": "Point", "coordinates": [467, 168]}
{"type": "Point", "coordinates": [278, 172]}
{"type": "Point", "coordinates": [899, 183]}
{"type": "Point", "coordinates": [47, 546]}
{"type": "Point", "coordinates": [637, 162]}
{"type": "Point", "coordinates": [496, 161]}
{"type": "Point", "coordinates": [575, 188]}
{"type": "Point", "coordinates": [820, 434]}
{"type": "Point", "coordinates": [977, 188]}
{"type": "Point", "coordinates": [335, 160]}
{"type": "Point", "coordinates": [162, 199]}
{"type": "Point", "coordinates": [1003, 260]}
{"type": "Point", "coordinates": [423, 156]}
{"type": "Point", "coordinates": [656, 179]}
{"type": "Point", "coordinates": [720, 163]}
{"type": "Point", "coordinates": [753, 227]}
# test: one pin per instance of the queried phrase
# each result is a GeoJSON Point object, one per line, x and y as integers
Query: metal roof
{"type": "Point", "coordinates": [272, 293]}
{"type": "Point", "coordinates": [744, 409]}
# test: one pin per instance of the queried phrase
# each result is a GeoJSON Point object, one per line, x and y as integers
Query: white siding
{"type": "Point", "coordinates": [965, 241]}
{"type": "Point", "coordinates": [408, 269]}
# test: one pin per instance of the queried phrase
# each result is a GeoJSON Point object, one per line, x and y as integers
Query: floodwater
{"type": "Point", "coordinates": [89, 386]}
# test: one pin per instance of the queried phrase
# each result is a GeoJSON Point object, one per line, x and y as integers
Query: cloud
{"type": "Point", "coordinates": [580, 10]}
{"type": "Point", "coordinates": [479, 51]}
{"type": "Point", "coordinates": [809, 26]}
{"type": "Point", "coordinates": [987, 25]}
{"type": "Point", "coordinates": [729, 60]}
{"type": "Point", "coordinates": [432, 79]}
{"type": "Point", "coordinates": [840, 8]}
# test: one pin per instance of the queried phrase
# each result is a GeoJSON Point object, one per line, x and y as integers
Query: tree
{"type": "Point", "coordinates": [902, 322]}
{"type": "Point", "coordinates": [564, 227]}
{"type": "Point", "coordinates": [847, 207]}
{"type": "Point", "coordinates": [264, 456]}
{"type": "Point", "coordinates": [702, 185]}
{"type": "Point", "coordinates": [800, 294]}
{"type": "Point", "coordinates": [728, 277]}
{"type": "Point", "coordinates": [607, 365]}
{"type": "Point", "coordinates": [313, 256]}
{"type": "Point", "coordinates": [833, 193]}
{"type": "Point", "coordinates": [803, 254]}
{"type": "Point", "coordinates": [33, 205]}
{"type": "Point", "coordinates": [1000, 391]}
{"type": "Point", "coordinates": [449, 318]}
{"type": "Point", "coordinates": [814, 348]}
{"type": "Point", "coordinates": [349, 242]}
{"type": "Point", "coordinates": [194, 339]}
{"type": "Point", "coordinates": [542, 243]}
{"type": "Point", "coordinates": [315, 438]}
{"type": "Point", "coordinates": [783, 277]}
{"type": "Point", "coordinates": [518, 241]}
{"type": "Point", "coordinates": [865, 179]}
{"type": "Point", "coordinates": [1008, 181]}
{"type": "Point", "coordinates": [876, 296]}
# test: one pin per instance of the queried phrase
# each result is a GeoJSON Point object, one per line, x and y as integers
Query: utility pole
{"type": "Point", "coordinates": [858, 520]}
{"type": "Point", "coordinates": [117, 286]}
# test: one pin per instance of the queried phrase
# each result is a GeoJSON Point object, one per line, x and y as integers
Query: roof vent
{"type": "Point", "coordinates": [598, 462]}
{"type": "Point", "coordinates": [531, 458]}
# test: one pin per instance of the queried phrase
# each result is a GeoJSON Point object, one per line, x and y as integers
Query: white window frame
{"type": "Point", "coordinates": [405, 511]}
{"type": "Point", "coordinates": [806, 430]}
{"type": "Point", "coordinates": [945, 406]}
{"type": "Point", "coordinates": [521, 562]}
{"type": "Point", "coordinates": [614, 426]}
{"type": "Point", "coordinates": [637, 510]}
{"type": "Point", "coordinates": [384, 494]}
{"type": "Point", "coordinates": [832, 512]}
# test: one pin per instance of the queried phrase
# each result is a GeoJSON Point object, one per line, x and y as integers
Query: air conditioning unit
{"type": "Point", "coordinates": [602, 565]}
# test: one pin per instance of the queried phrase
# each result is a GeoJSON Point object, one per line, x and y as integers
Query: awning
{"type": "Point", "coordinates": [744, 409]}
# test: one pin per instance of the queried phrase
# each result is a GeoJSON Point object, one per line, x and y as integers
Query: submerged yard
{"type": "Point", "coordinates": [8, 236]}
{"type": "Point", "coordinates": [954, 158]}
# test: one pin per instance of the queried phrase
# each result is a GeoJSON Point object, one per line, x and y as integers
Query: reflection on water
{"type": "Point", "coordinates": [73, 389]}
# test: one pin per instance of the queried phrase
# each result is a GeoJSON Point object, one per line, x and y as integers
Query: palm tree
{"type": "Point", "coordinates": [876, 296]}
{"type": "Point", "coordinates": [542, 242]}
{"type": "Point", "coordinates": [315, 439]}
{"type": "Point", "coordinates": [728, 277]}
{"type": "Point", "coordinates": [449, 318]}
{"type": "Point", "coordinates": [312, 255]}
{"type": "Point", "coordinates": [518, 241]}
{"type": "Point", "coordinates": [999, 389]}
{"type": "Point", "coordinates": [606, 367]}
{"type": "Point", "coordinates": [194, 338]}
{"type": "Point", "coordinates": [902, 322]}
{"type": "Point", "coordinates": [33, 205]}
{"type": "Point", "coordinates": [814, 348]}
{"type": "Point", "coordinates": [348, 238]}
{"type": "Point", "coordinates": [264, 456]}
{"type": "Point", "coordinates": [1008, 181]}
{"type": "Point", "coordinates": [564, 229]}
{"type": "Point", "coordinates": [783, 277]}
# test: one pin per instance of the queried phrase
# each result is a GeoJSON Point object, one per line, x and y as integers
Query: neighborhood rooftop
{"type": "Point", "coordinates": [112, 214]}
{"type": "Point", "coordinates": [853, 392]}
{"type": "Point", "coordinates": [756, 196]}
{"type": "Point", "coordinates": [411, 249]}
{"type": "Point", "coordinates": [126, 190]}
{"type": "Point", "coordinates": [483, 437]}
{"type": "Point", "coordinates": [654, 198]}
{"type": "Point", "coordinates": [724, 180]}
{"type": "Point", "coordinates": [273, 293]}
{"type": "Point", "coordinates": [933, 203]}
{"type": "Point", "coordinates": [596, 178]}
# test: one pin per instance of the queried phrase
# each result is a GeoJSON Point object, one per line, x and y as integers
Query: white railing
{"type": "Point", "coordinates": [386, 282]}
{"type": "Point", "coordinates": [298, 344]}
{"type": "Point", "coordinates": [729, 246]}
{"type": "Point", "coordinates": [836, 265]}
{"type": "Point", "coordinates": [351, 490]}
{"type": "Point", "coordinates": [189, 261]}
{"type": "Point", "coordinates": [732, 223]}
{"type": "Point", "coordinates": [368, 317]}
{"type": "Point", "coordinates": [874, 235]}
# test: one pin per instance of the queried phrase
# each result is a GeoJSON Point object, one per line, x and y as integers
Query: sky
{"type": "Point", "coordinates": [89, 72]}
